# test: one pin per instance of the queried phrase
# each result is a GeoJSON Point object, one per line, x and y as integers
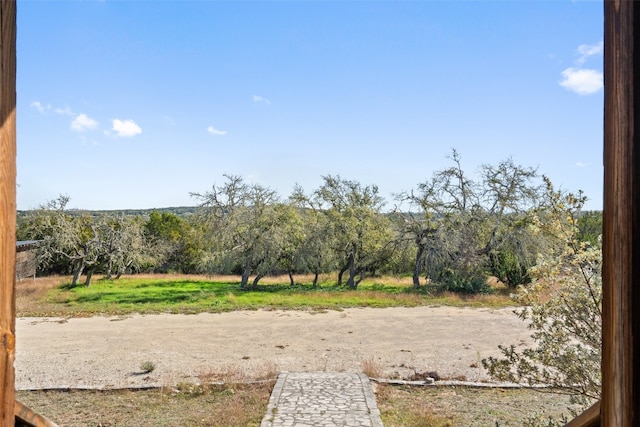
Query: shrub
{"type": "Point", "coordinates": [147, 367]}
{"type": "Point", "coordinates": [563, 306]}
{"type": "Point", "coordinates": [509, 269]}
{"type": "Point", "coordinates": [450, 280]}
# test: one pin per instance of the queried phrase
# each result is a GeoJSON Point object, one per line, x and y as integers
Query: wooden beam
{"type": "Point", "coordinates": [7, 208]}
{"type": "Point", "coordinates": [589, 418]}
{"type": "Point", "coordinates": [621, 217]}
{"type": "Point", "coordinates": [26, 417]}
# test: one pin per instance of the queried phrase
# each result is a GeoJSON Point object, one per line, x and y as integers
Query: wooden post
{"type": "Point", "coordinates": [7, 208]}
{"type": "Point", "coordinates": [621, 221]}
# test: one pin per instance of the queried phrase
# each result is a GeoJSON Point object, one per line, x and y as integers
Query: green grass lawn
{"type": "Point", "coordinates": [196, 294]}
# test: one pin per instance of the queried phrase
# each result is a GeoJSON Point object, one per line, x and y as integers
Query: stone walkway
{"type": "Point", "coordinates": [322, 399]}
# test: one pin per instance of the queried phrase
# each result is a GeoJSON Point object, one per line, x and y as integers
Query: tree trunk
{"type": "Point", "coordinates": [87, 282]}
{"type": "Point", "coordinates": [108, 274]}
{"type": "Point", "coordinates": [77, 272]}
{"type": "Point", "coordinates": [417, 269]}
{"type": "Point", "coordinates": [360, 278]}
{"type": "Point", "coordinates": [245, 276]}
{"type": "Point", "coordinates": [255, 281]}
{"type": "Point", "coordinates": [341, 272]}
{"type": "Point", "coordinates": [291, 281]}
{"type": "Point", "coordinates": [315, 279]}
{"type": "Point", "coordinates": [351, 283]}
{"type": "Point", "coordinates": [122, 270]}
{"type": "Point", "coordinates": [490, 244]}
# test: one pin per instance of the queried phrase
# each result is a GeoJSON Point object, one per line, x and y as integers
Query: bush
{"type": "Point", "coordinates": [509, 268]}
{"type": "Point", "coordinates": [563, 306]}
{"type": "Point", "coordinates": [147, 367]}
{"type": "Point", "coordinates": [453, 281]}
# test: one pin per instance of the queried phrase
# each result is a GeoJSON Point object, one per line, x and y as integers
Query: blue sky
{"type": "Point", "coordinates": [135, 104]}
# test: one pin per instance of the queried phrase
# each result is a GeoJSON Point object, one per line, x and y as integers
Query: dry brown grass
{"type": "Point", "coordinates": [233, 373]}
{"type": "Point", "coordinates": [486, 300]}
{"type": "Point", "coordinates": [230, 397]}
{"type": "Point", "coordinates": [372, 368]}
{"type": "Point", "coordinates": [30, 288]}
{"type": "Point", "coordinates": [223, 406]}
{"type": "Point", "coordinates": [245, 405]}
{"type": "Point", "coordinates": [461, 406]}
{"type": "Point", "coordinates": [395, 280]}
{"type": "Point", "coordinates": [410, 412]}
{"type": "Point", "coordinates": [30, 293]}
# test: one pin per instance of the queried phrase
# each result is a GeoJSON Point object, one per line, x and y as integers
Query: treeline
{"type": "Point", "coordinates": [451, 231]}
{"type": "Point", "coordinates": [177, 210]}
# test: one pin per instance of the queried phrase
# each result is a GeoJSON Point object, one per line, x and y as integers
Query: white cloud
{"type": "Point", "coordinates": [586, 51]}
{"type": "Point", "coordinates": [582, 81]}
{"type": "Point", "coordinates": [38, 106]}
{"type": "Point", "coordinates": [580, 164]}
{"type": "Point", "coordinates": [126, 128]}
{"type": "Point", "coordinates": [44, 108]}
{"type": "Point", "coordinates": [83, 122]}
{"type": "Point", "coordinates": [66, 111]}
{"type": "Point", "coordinates": [258, 99]}
{"type": "Point", "coordinates": [214, 131]}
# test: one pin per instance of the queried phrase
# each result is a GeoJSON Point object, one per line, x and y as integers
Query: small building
{"type": "Point", "coordinates": [26, 262]}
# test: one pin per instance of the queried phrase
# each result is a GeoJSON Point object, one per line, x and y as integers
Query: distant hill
{"type": "Point", "coordinates": [179, 211]}
{"type": "Point", "coordinates": [190, 210]}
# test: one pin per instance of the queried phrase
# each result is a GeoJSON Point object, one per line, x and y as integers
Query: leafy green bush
{"type": "Point", "coordinates": [451, 280]}
{"type": "Point", "coordinates": [590, 227]}
{"type": "Point", "coordinates": [509, 268]}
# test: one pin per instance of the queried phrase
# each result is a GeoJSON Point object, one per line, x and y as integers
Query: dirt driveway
{"type": "Point", "coordinates": [105, 352]}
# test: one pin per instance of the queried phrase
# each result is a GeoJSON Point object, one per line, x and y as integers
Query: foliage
{"type": "Point", "coordinates": [451, 232]}
{"type": "Point", "coordinates": [293, 233]}
{"type": "Point", "coordinates": [122, 247]}
{"type": "Point", "coordinates": [246, 225]}
{"type": "Point", "coordinates": [450, 280]}
{"type": "Point", "coordinates": [509, 268]}
{"type": "Point", "coordinates": [314, 253]}
{"type": "Point", "coordinates": [563, 306]}
{"type": "Point", "coordinates": [176, 244]}
{"type": "Point", "coordinates": [75, 243]}
{"type": "Point", "coordinates": [464, 229]}
{"type": "Point", "coordinates": [590, 226]}
{"type": "Point", "coordinates": [359, 232]}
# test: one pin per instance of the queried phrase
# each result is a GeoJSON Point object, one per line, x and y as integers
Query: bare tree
{"type": "Point", "coordinates": [359, 231]}
{"type": "Point", "coordinates": [83, 243]}
{"type": "Point", "coordinates": [462, 227]}
{"type": "Point", "coordinates": [244, 223]}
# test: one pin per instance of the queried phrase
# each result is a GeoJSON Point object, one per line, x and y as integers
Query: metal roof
{"type": "Point", "coordinates": [26, 245]}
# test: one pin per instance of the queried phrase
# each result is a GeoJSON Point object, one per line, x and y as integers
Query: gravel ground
{"type": "Point", "coordinates": [103, 353]}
